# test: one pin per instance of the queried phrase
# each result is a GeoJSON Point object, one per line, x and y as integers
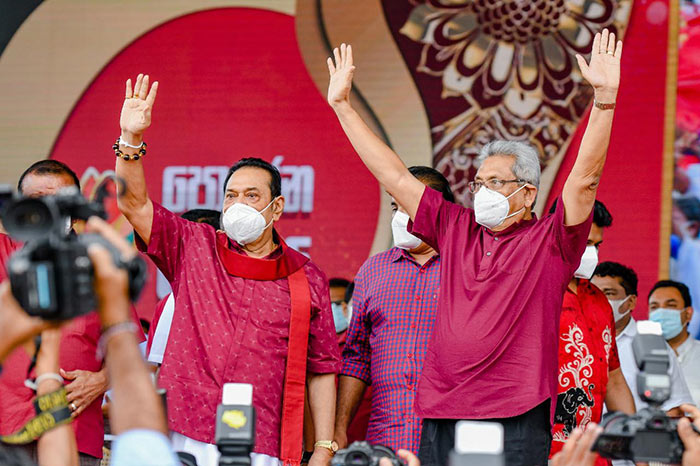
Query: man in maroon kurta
{"type": "Point", "coordinates": [236, 296]}
{"type": "Point", "coordinates": [493, 350]}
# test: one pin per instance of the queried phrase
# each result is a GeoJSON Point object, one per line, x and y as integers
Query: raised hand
{"type": "Point", "coordinates": [603, 71]}
{"type": "Point", "coordinates": [136, 111]}
{"type": "Point", "coordinates": [341, 71]}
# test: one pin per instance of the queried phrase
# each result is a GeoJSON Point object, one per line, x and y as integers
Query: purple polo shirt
{"type": "Point", "coordinates": [494, 348]}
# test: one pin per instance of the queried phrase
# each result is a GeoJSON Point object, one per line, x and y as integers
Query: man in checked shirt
{"type": "Point", "coordinates": [394, 306]}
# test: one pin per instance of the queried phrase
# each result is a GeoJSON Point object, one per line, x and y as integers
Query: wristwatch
{"type": "Point", "coordinates": [332, 445]}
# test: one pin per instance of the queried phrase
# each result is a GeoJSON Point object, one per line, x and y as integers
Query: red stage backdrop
{"type": "Point", "coordinates": [229, 88]}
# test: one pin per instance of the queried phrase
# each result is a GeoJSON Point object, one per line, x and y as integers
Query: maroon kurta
{"type": "Point", "coordinates": [493, 351]}
{"type": "Point", "coordinates": [229, 329]}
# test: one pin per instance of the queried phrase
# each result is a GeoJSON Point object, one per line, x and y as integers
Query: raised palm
{"type": "Point", "coordinates": [603, 71]}
{"type": "Point", "coordinates": [341, 72]}
{"type": "Point", "coordinates": [138, 104]}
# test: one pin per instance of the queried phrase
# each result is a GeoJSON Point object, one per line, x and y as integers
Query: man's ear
{"type": "Point", "coordinates": [530, 195]}
{"type": "Point", "coordinates": [277, 208]}
{"type": "Point", "coordinates": [633, 302]}
{"type": "Point", "coordinates": [688, 311]}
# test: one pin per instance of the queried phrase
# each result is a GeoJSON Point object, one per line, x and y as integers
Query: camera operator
{"type": "Point", "coordinates": [136, 411]}
{"type": "Point", "coordinates": [78, 364]}
{"type": "Point", "coordinates": [57, 446]}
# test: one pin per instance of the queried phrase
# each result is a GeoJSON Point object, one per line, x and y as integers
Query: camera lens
{"type": "Point", "coordinates": [356, 458]}
{"type": "Point", "coordinates": [28, 219]}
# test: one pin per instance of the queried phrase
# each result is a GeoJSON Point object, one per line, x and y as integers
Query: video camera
{"type": "Point", "coordinates": [364, 454]}
{"type": "Point", "coordinates": [52, 275]}
{"type": "Point", "coordinates": [650, 435]}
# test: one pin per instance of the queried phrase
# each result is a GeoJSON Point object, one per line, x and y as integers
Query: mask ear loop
{"type": "Point", "coordinates": [267, 207]}
{"type": "Point", "coordinates": [511, 195]}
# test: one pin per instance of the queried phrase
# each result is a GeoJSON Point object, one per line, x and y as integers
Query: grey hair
{"type": "Point", "coordinates": [527, 162]}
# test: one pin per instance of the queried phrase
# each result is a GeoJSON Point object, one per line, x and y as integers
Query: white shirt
{"type": "Point", "coordinates": [162, 332]}
{"type": "Point", "coordinates": [689, 359]}
{"type": "Point", "coordinates": [679, 389]}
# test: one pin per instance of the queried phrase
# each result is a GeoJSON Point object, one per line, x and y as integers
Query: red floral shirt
{"type": "Point", "coordinates": [587, 353]}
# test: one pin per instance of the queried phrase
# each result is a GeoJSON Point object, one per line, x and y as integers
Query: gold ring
{"type": "Point", "coordinates": [610, 53]}
{"type": "Point", "coordinates": [136, 96]}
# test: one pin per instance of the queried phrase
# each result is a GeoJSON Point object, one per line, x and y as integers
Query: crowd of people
{"type": "Point", "coordinates": [488, 314]}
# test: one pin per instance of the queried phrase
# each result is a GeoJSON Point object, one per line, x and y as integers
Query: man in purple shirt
{"type": "Point", "coordinates": [493, 351]}
{"type": "Point", "coordinates": [395, 302]}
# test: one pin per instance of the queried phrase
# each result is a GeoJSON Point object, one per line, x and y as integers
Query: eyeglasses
{"type": "Point", "coordinates": [494, 184]}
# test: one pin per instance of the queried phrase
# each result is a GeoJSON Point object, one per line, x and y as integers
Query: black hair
{"type": "Point", "coordinates": [145, 325]}
{"type": "Point", "coordinates": [275, 177]}
{"type": "Point", "coordinates": [48, 167]}
{"type": "Point", "coordinates": [349, 292]}
{"type": "Point", "coordinates": [433, 179]}
{"type": "Point", "coordinates": [208, 216]}
{"type": "Point", "coordinates": [338, 282]}
{"type": "Point", "coordinates": [601, 215]}
{"type": "Point", "coordinates": [628, 278]}
{"type": "Point", "coordinates": [682, 289]}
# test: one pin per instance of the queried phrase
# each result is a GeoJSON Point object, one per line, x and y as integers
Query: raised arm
{"type": "Point", "coordinates": [135, 118]}
{"type": "Point", "coordinates": [384, 164]}
{"type": "Point", "coordinates": [603, 73]}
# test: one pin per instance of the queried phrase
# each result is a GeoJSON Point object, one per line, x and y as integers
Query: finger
{"type": "Point", "coordinates": [604, 41]}
{"type": "Point", "coordinates": [129, 92]}
{"type": "Point", "coordinates": [691, 409]}
{"type": "Point", "coordinates": [143, 92]}
{"type": "Point", "coordinates": [618, 50]}
{"type": "Point", "coordinates": [331, 67]}
{"type": "Point", "coordinates": [349, 55]}
{"type": "Point", "coordinates": [150, 100]}
{"type": "Point", "coordinates": [97, 225]}
{"type": "Point", "coordinates": [596, 44]}
{"type": "Point", "coordinates": [409, 458]}
{"type": "Point", "coordinates": [102, 262]}
{"type": "Point", "coordinates": [583, 448]}
{"type": "Point", "coordinates": [611, 44]}
{"type": "Point", "coordinates": [71, 396]}
{"type": "Point", "coordinates": [342, 54]}
{"type": "Point", "coordinates": [384, 462]}
{"type": "Point", "coordinates": [570, 445]}
{"type": "Point", "coordinates": [70, 375]}
{"type": "Point", "coordinates": [137, 86]}
{"type": "Point", "coordinates": [336, 54]}
{"type": "Point", "coordinates": [686, 433]}
{"type": "Point", "coordinates": [582, 64]}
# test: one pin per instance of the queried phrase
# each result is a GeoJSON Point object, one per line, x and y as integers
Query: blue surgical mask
{"type": "Point", "coordinates": [341, 322]}
{"type": "Point", "coordinates": [670, 320]}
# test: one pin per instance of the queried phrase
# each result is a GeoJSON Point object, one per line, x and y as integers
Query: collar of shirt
{"type": "Point", "coordinates": [234, 246]}
{"type": "Point", "coordinates": [630, 331]}
{"type": "Point", "coordinates": [517, 226]}
{"type": "Point", "coordinates": [686, 347]}
{"type": "Point", "coordinates": [398, 254]}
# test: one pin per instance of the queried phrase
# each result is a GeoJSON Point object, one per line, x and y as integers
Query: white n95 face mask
{"type": "Point", "coordinates": [589, 261]}
{"type": "Point", "coordinates": [243, 223]}
{"type": "Point", "coordinates": [616, 304]}
{"type": "Point", "coordinates": [399, 229]}
{"type": "Point", "coordinates": [491, 207]}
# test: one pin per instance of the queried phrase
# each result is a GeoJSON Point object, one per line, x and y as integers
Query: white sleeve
{"type": "Point", "coordinates": [162, 331]}
{"type": "Point", "coordinates": [679, 388]}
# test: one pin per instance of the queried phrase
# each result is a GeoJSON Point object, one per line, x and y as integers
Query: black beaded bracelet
{"type": "Point", "coordinates": [124, 156]}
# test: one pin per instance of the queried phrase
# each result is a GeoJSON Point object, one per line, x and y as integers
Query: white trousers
{"type": "Point", "coordinates": [207, 454]}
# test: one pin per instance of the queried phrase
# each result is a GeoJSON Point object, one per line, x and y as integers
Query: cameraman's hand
{"type": "Point", "coordinates": [577, 450]}
{"type": "Point", "coordinates": [409, 458]}
{"type": "Point", "coordinates": [111, 282]}
{"type": "Point", "coordinates": [16, 326]}
{"type": "Point", "coordinates": [690, 439]}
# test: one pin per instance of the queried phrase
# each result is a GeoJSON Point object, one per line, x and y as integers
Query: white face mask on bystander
{"type": "Point", "coordinates": [589, 261]}
{"type": "Point", "coordinates": [399, 229]}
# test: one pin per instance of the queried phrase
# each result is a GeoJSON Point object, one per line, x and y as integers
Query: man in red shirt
{"type": "Point", "coordinates": [589, 367]}
{"type": "Point", "coordinates": [79, 366]}
{"type": "Point", "coordinates": [248, 309]}
{"type": "Point", "coordinates": [493, 351]}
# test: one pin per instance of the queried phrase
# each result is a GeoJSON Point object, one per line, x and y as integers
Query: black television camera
{"type": "Point", "coordinates": [235, 425]}
{"type": "Point", "coordinates": [364, 454]}
{"type": "Point", "coordinates": [52, 275]}
{"type": "Point", "coordinates": [649, 435]}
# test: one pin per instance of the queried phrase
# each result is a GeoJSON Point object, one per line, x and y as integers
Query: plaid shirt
{"type": "Point", "coordinates": [394, 307]}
